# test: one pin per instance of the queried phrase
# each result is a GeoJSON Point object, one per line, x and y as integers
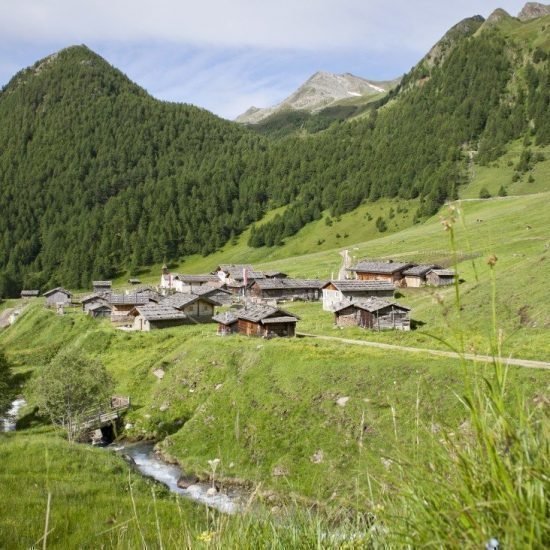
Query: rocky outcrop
{"type": "Point", "coordinates": [498, 15]}
{"type": "Point", "coordinates": [533, 10]}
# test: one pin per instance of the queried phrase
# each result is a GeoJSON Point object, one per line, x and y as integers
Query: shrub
{"type": "Point", "coordinates": [484, 193]}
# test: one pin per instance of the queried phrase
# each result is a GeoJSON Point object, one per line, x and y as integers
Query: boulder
{"type": "Point", "coordinates": [159, 373]}
{"type": "Point", "coordinates": [186, 480]}
{"type": "Point", "coordinates": [341, 401]}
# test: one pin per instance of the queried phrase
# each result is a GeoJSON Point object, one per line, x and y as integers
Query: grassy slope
{"type": "Point", "coordinates": [244, 401]}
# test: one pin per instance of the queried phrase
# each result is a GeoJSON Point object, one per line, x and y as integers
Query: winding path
{"type": "Point", "coordinates": [527, 363]}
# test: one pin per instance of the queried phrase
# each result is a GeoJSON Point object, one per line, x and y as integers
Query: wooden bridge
{"type": "Point", "coordinates": [95, 420]}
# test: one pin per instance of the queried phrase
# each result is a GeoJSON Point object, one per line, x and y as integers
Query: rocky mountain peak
{"type": "Point", "coordinates": [533, 10]}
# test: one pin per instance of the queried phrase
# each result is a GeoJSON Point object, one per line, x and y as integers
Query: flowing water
{"type": "Point", "coordinates": [10, 420]}
{"type": "Point", "coordinates": [149, 464]}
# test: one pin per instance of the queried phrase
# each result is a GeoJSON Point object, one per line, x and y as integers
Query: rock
{"type": "Point", "coordinates": [341, 401]}
{"type": "Point", "coordinates": [317, 457]}
{"type": "Point", "coordinates": [164, 407]}
{"type": "Point", "coordinates": [386, 462]}
{"type": "Point", "coordinates": [186, 480]}
{"type": "Point", "coordinates": [279, 471]}
{"type": "Point", "coordinates": [127, 458]}
{"type": "Point", "coordinates": [212, 492]}
{"type": "Point", "coordinates": [128, 426]}
{"type": "Point", "coordinates": [218, 386]}
{"type": "Point", "coordinates": [533, 10]}
{"type": "Point", "coordinates": [159, 373]}
{"type": "Point", "coordinates": [275, 510]}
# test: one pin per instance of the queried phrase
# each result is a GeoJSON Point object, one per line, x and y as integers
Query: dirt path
{"type": "Point", "coordinates": [4, 317]}
{"type": "Point", "coordinates": [440, 353]}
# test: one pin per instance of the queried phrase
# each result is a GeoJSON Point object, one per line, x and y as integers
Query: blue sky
{"type": "Point", "coordinates": [226, 55]}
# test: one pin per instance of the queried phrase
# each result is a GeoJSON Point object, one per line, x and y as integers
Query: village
{"type": "Point", "coordinates": [240, 299]}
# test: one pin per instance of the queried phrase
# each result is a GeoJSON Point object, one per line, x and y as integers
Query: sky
{"type": "Point", "coordinates": [227, 55]}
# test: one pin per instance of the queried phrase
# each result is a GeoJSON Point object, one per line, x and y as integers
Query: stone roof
{"type": "Point", "coordinates": [134, 281]}
{"type": "Point", "coordinates": [444, 272]}
{"type": "Point", "coordinates": [57, 289]}
{"type": "Point", "coordinates": [128, 299]}
{"type": "Point", "coordinates": [275, 274]}
{"type": "Point", "coordinates": [258, 313]}
{"type": "Point", "coordinates": [102, 283]}
{"type": "Point", "coordinates": [30, 293]}
{"type": "Point", "coordinates": [282, 319]}
{"type": "Point", "coordinates": [159, 312]}
{"type": "Point", "coordinates": [206, 290]}
{"type": "Point", "coordinates": [181, 300]}
{"type": "Point", "coordinates": [419, 270]}
{"type": "Point", "coordinates": [357, 286]}
{"type": "Point", "coordinates": [205, 278]}
{"type": "Point", "coordinates": [225, 318]}
{"type": "Point", "coordinates": [369, 304]}
{"type": "Point", "coordinates": [279, 284]}
{"type": "Point", "coordinates": [384, 268]}
{"type": "Point", "coordinates": [100, 306]}
{"type": "Point", "coordinates": [92, 297]}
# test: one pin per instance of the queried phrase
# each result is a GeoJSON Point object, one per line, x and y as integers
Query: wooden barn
{"type": "Point", "coordinates": [380, 271]}
{"type": "Point", "coordinates": [415, 276]}
{"type": "Point", "coordinates": [227, 323]}
{"type": "Point", "coordinates": [441, 277]}
{"type": "Point", "coordinates": [98, 310]}
{"type": "Point", "coordinates": [30, 293]}
{"type": "Point", "coordinates": [265, 321]}
{"type": "Point", "coordinates": [102, 287]}
{"type": "Point", "coordinates": [373, 313]}
{"type": "Point", "coordinates": [122, 304]}
{"type": "Point", "coordinates": [198, 309]}
{"type": "Point", "coordinates": [93, 300]}
{"type": "Point", "coordinates": [287, 289]}
{"type": "Point", "coordinates": [157, 316]}
{"type": "Point", "coordinates": [223, 297]}
{"type": "Point", "coordinates": [58, 296]}
{"type": "Point", "coordinates": [336, 292]}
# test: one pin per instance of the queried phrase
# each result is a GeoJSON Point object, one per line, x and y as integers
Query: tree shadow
{"type": "Point", "coordinates": [416, 324]}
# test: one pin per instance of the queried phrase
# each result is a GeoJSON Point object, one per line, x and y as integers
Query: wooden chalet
{"type": "Point", "coordinates": [93, 300]}
{"type": "Point", "coordinates": [30, 293]}
{"type": "Point", "coordinates": [336, 292]}
{"type": "Point", "coordinates": [122, 304]}
{"type": "Point", "coordinates": [58, 296]}
{"type": "Point", "coordinates": [190, 283]}
{"type": "Point", "coordinates": [156, 316]}
{"type": "Point", "coordinates": [102, 286]}
{"type": "Point", "coordinates": [287, 289]}
{"type": "Point", "coordinates": [373, 313]}
{"type": "Point", "coordinates": [415, 276]}
{"type": "Point", "coordinates": [380, 271]}
{"type": "Point", "coordinates": [228, 323]}
{"type": "Point", "coordinates": [98, 310]}
{"type": "Point", "coordinates": [198, 309]}
{"type": "Point", "coordinates": [265, 321]}
{"type": "Point", "coordinates": [441, 277]}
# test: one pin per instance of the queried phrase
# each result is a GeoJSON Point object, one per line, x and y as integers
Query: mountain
{"type": "Point", "coordinates": [98, 178]}
{"type": "Point", "coordinates": [319, 91]}
{"type": "Point", "coordinates": [533, 10]}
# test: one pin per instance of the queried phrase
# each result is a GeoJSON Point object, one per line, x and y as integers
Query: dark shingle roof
{"type": "Point", "coordinates": [279, 284]}
{"type": "Point", "coordinates": [159, 312]}
{"type": "Point", "coordinates": [419, 270]}
{"type": "Point", "coordinates": [370, 304]}
{"type": "Point", "coordinates": [93, 297]}
{"type": "Point", "coordinates": [385, 268]}
{"type": "Point", "coordinates": [57, 289]}
{"type": "Point", "coordinates": [357, 286]}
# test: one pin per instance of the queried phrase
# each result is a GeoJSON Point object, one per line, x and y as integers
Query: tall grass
{"type": "Point", "coordinates": [488, 480]}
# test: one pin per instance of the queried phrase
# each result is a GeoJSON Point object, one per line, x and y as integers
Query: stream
{"type": "Point", "coordinates": [149, 464]}
{"type": "Point", "coordinates": [10, 420]}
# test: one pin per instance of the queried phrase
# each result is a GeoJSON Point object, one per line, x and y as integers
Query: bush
{"type": "Point", "coordinates": [484, 193]}
{"type": "Point", "coordinates": [381, 224]}
{"type": "Point", "coordinates": [502, 191]}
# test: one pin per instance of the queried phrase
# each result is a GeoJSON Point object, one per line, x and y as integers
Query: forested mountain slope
{"type": "Point", "coordinates": [97, 177]}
